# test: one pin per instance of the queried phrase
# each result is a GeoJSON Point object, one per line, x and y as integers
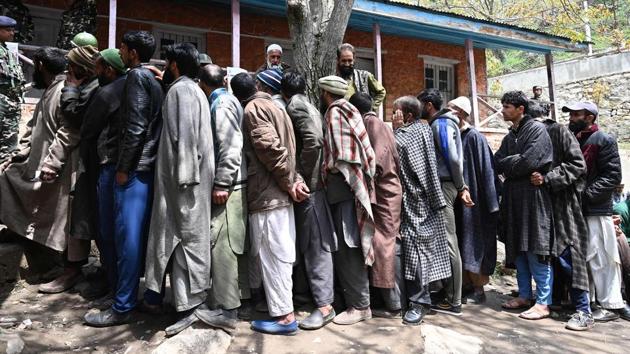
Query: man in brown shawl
{"type": "Point", "coordinates": [386, 274]}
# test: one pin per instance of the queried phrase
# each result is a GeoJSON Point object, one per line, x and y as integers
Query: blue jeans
{"type": "Point", "coordinates": [528, 266]}
{"type": "Point", "coordinates": [105, 198]}
{"type": "Point", "coordinates": [579, 297]}
{"type": "Point", "coordinates": [124, 226]}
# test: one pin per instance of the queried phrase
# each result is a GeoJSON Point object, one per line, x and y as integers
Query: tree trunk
{"type": "Point", "coordinates": [317, 29]}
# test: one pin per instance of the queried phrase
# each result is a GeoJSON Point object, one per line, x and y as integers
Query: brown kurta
{"type": "Point", "coordinates": [40, 211]}
{"type": "Point", "coordinates": [388, 201]}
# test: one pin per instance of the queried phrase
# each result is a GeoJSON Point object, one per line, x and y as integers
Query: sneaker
{"type": "Point", "coordinates": [447, 308]}
{"type": "Point", "coordinates": [603, 315]}
{"type": "Point", "coordinates": [475, 298]}
{"type": "Point", "coordinates": [352, 316]}
{"type": "Point", "coordinates": [580, 321]}
{"type": "Point", "coordinates": [415, 314]}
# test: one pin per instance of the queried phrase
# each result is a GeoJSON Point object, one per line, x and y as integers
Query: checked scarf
{"type": "Point", "coordinates": [347, 149]}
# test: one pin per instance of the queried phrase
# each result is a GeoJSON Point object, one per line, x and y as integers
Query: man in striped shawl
{"type": "Point", "coordinates": [349, 168]}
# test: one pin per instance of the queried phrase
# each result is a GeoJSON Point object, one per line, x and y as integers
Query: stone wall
{"type": "Point", "coordinates": [611, 93]}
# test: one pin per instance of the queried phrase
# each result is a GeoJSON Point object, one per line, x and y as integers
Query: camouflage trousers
{"type": "Point", "coordinates": [9, 126]}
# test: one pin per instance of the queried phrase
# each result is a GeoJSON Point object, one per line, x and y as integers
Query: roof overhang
{"type": "Point", "coordinates": [411, 21]}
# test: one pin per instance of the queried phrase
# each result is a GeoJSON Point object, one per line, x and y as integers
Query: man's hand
{"type": "Point", "coordinates": [219, 196]}
{"type": "Point", "coordinates": [616, 219]}
{"type": "Point", "coordinates": [536, 179]}
{"type": "Point", "coordinates": [47, 174]}
{"type": "Point", "coordinates": [397, 119]}
{"type": "Point", "coordinates": [157, 72]}
{"type": "Point", "coordinates": [72, 81]}
{"type": "Point", "coordinates": [466, 199]}
{"type": "Point", "coordinates": [299, 192]}
{"type": "Point", "coordinates": [122, 178]}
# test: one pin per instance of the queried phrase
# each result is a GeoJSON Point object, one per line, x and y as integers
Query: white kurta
{"type": "Point", "coordinates": [184, 172]}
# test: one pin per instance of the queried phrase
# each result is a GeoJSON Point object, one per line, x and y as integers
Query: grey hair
{"type": "Point", "coordinates": [409, 104]}
{"type": "Point", "coordinates": [345, 47]}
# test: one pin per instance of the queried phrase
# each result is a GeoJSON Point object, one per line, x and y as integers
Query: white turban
{"type": "Point", "coordinates": [274, 47]}
{"type": "Point", "coordinates": [333, 84]}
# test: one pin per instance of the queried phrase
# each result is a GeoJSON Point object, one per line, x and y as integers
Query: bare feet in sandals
{"type": "Point", "coordinates": [516, 304]}
{"type": "Point", "coordinates": [536, 312]}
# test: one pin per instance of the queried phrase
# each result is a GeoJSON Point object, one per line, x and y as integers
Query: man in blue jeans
{"type": "Point", "coordinates": [526, 210]}
{"type": "Point", "coordinates": [138, 134]}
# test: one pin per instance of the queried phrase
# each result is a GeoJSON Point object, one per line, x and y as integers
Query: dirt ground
{"type": "Point", "coordinates": [53, 324]}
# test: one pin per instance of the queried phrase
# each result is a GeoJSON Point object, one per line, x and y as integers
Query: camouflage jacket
{"type": "Point", "coordinates": [11, 75]}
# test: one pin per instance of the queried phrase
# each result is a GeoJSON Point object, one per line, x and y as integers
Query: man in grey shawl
{"type": "Point", "coordinates": [424, 239]}
{"type": "Point", "coordinates": [526, 210]}
{"type": "Point", "coordinates": [230, 282]}
{"type": "Point", "coordinates": [180, 221]}
{"type": "Point", "coordinates": [316, 239]}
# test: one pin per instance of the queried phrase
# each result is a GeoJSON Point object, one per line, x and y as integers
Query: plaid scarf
{"type": "Point", "coordinates": [347, 149]}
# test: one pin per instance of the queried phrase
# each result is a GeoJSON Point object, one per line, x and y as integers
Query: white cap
{"type": "Point", "coordinates": [274, 47]}
{"type": "Point", "coordinates": [463, 103]}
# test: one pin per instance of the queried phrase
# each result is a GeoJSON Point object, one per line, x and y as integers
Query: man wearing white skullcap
{"type": "Point", "coordinates": [273, 59]}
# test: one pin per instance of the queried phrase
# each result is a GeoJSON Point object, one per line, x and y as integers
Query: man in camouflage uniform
{"type": "Point", "coordinates": [80, 17]}
{"type": "Point", "coordinates": [11, 81]}
{"type": "Point", "coordinates": [16, 10]}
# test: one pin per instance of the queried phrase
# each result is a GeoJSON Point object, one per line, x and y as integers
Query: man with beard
{"type": "Point", "coordinates": [526, 210]}
{"type": "Point", "coordinates": [76, 96]}
{"type": "Point", "coordinates": [138, 136]}
{"type": "Point", "coordinates": [180, 233]}
{"type": "Point", "coordinates": [35, 186]}
{"type": "Point", "coordinates": [358, 80]}
{"type": "Point", "coordinates": [386, 271]}
{"type": "Point", "coordinates": [98, 150]}
{"type": "Point", "coordinates": [273, 184]}
{"type": "Point", "coordinates": [565, 182]}
{"type": "Point", "coordinates": [603, 174]}
{"type": "Point", "coordinates": [476, 226]}
{"type": "Point", "coordinates": [450, 161]}
{"type": "Point", "coordinates": [424, 240]}
{"type": "Point", "coordinates": [273, 59]}
{"type": "Point", "coordinates": [349, 167]}
{"type": "Point", "coordinates": [544, 107]}
{"type": "Point", "coordinates": [316, 237]}
{"type": "Point", "coordinates": [11, 80]}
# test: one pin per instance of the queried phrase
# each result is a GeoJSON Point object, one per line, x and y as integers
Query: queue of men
{"type": "Point", "coordinates": [249, 197]}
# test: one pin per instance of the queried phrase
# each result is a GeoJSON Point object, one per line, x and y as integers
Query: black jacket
{"type": "Point", "coordinates": [603, 171]}
{"type": "Point", "coordinates": [141, 121]}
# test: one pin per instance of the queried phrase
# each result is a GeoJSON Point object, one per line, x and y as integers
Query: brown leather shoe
{"type": "Point", "coordinates": [65, 281]}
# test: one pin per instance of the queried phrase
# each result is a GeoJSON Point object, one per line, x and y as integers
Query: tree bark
{"type": "Point", "coordinates": [317, 29]}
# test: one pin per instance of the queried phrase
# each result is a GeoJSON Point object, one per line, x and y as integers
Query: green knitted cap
{"type": "Point", "coordinates": [112, 57]}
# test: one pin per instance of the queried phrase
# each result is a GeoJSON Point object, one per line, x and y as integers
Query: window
{"type": "Point", "coordinates": [46, 23]}
{"type": "Point", "coordinates": [438, 74]}
{"type": "Point", "coordinates": [165, 38]}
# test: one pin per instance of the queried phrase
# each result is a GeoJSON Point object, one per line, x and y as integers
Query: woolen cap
{"type": "Point", "coordinates": [271, 78]}
{"type": "Point", "coordinates": [6, 21]}
{"type": "Point", "coordinates": [83, 56]}
{"type": "Point", "coordinates": [112, 57]}
{"type": "Point", "coordinates": [333, 84]}
{"type": "Point", "coordinates": [463, 103]}
{"type": "Point", "coordinates": [578, 106]}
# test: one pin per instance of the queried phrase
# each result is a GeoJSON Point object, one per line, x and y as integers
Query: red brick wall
{"type": "Point", "coordinates": [403, 72]}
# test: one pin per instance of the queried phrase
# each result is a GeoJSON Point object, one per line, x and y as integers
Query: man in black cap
{"type": "Point", "coordinates": [11, 81]}
{"type": "Point", "coordinates": [603, 175]}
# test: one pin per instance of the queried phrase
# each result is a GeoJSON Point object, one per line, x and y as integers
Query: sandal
{"type": "Point", "coordinates": [517, 304]}
{"type": "Point", "coordinates": [533, 314]}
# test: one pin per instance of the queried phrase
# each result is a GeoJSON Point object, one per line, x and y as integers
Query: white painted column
{"type": "Point", "coordinates": [236, 34]}
{"type": "Point", "coordinates": [111, 43]}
